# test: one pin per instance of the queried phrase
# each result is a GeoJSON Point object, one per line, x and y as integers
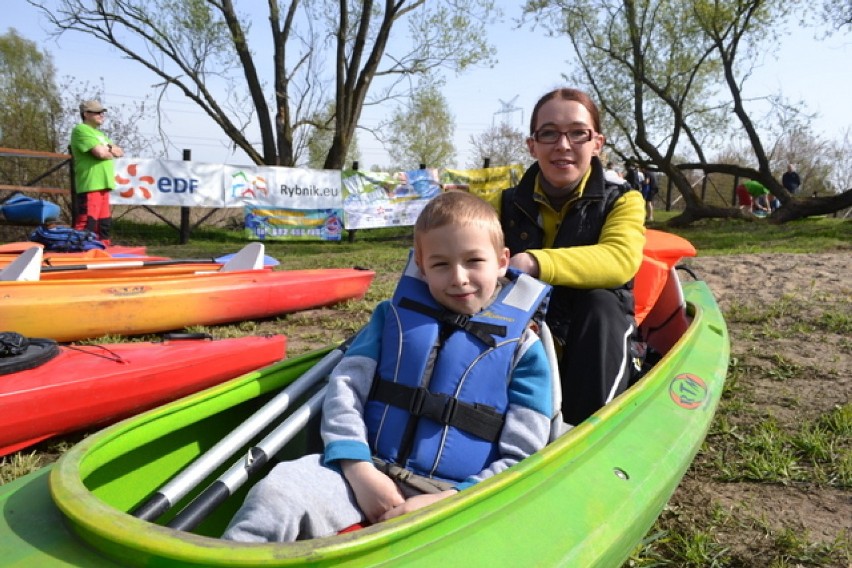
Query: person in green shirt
{"type": "Point", "coordinates": [94, 171]}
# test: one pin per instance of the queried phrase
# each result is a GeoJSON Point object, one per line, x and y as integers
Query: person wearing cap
{"type": "Point", "coordinates": [94, 170]}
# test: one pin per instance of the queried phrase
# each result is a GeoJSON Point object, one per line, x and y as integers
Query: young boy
{"type": "Point", "coordinates": [446, 386]}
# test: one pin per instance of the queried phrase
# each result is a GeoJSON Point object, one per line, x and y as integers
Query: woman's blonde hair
{"type": "Point", "coordinates": [459, 208]}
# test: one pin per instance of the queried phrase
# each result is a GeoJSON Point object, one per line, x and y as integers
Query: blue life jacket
{"type": "Point", "coordinates": [440, 395]}
{"type": "Point", "coordinates": [65, 239]}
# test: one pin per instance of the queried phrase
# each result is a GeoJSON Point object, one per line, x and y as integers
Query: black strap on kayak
{"type": "Point", "coordinates": [97, 350]}
{"type": "Point", "coordinates": [480, 420]}
{"type": "Point", "coordinates": [482, 331]}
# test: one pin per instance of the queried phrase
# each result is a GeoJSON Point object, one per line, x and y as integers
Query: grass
{"type": "Point", "coordinates": [756, 442]}
{"type": "Point", "coordinates": [714, 237]}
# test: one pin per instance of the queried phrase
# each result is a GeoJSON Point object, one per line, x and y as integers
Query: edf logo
{"type": "Point", "coordinates": [134, 181]}
{"type": "Point", "coordinates": [177, 185]}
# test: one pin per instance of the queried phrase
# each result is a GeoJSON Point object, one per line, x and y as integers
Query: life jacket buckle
{"type": "Point", "coordinates": [449, 410]}
{"type": "Point", "coordinates": [459, 320]}
{"type": "Point", "coordinates": [418, 398]}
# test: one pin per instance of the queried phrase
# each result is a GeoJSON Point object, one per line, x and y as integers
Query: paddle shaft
{"type": "Point", "coordinates": [127, 264]}
{"type": "Point", "coordinates": [256, 458]}
{"type": "Point", "coordinates": [189, 478]}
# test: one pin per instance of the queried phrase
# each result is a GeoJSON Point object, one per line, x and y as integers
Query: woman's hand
{"type": "Point", "coordinates": [525, 262]}
{"type": "Point", "coordinates": [417, 502]}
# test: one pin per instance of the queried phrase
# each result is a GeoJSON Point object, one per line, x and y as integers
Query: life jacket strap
{"type": "Point", "coordinates": [481, 330]}
{"type": "Point", "coordinates": [480, 420]}
{"type": "Point", "coordinates": [420, 482]}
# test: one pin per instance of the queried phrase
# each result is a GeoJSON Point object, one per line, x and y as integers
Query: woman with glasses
{"type": "Point", "coordinates": [94, 171]}
{"type": "Point", "coordinates": [570, 226]}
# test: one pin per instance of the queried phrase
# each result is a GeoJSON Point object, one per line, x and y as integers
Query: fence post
{"type": "Point", "coordinates": [486, 163]}
{"type": "Point", "coordinates": [184, 210]}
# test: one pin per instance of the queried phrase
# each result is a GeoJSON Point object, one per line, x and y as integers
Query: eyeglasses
{"type": "Point", "coordinates": [548, 135]}
{"type": "Point", "coordinates": [96, 111]}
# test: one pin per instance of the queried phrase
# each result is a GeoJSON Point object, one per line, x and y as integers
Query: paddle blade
{"type": "Point", "coordinates": [25, 268]}
{"type": "Point", "coordinates": [267, 260]}
{"type": "Point", "coordinates": [249, 258]}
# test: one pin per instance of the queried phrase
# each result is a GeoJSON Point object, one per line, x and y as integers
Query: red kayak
{"type": "Point", "coordinates": [50, 389]}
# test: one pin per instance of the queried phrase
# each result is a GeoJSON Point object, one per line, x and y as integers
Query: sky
{"type": "Point", "coordinates": [529, 64]}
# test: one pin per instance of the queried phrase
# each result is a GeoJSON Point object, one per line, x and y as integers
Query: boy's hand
{"type": "Point", "coordinates": [375, 492]}
{"type": "Point", "coordinates": [417, 502]}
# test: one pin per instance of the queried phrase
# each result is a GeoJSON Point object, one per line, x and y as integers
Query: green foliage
{"type": "Point", "coordinates": [29, 96]}
{"type": "Point", "coordinates": [502, 145]}
{"type": "Point", "coordinates": [422, 131]}
{"type": "Point", "coordinates": [320, 138]}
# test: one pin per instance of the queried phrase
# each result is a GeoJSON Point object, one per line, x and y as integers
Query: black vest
{"type": "Point", "coordinates": [582, 225]}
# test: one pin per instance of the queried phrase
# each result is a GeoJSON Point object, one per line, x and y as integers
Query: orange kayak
{"type": "Point", "coordinates": [72, 309]}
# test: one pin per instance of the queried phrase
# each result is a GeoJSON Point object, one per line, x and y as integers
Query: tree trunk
{"type": "Point", "coordinates": [799, 208]}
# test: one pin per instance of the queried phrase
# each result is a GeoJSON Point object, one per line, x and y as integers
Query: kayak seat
{"type": "Point", "coordinates": [18, 353]}
{"type": "Point", "coordinates": [667, 320]}
{"type": "Point", "coordinates": [355, 527]}
{"type": "Point", "coordinates": [660, 307]}
{"type": "Point", "coordinates": [648, 285]}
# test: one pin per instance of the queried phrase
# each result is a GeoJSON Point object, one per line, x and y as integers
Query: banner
{"type": "Point", "coordinates": [292, 188]}
{"type": "Point", "coordinates": [381, 199]}
{"type": "Point", "coordinates": [279, 223]}
{"type": "Point", "coordinates": [484, 182]}
{"type": "Point", "coordinates": [165, 182]}
{"type": "Point", "coordinates": [300, 203]}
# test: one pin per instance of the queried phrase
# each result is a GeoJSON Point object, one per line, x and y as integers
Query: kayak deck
{"type": "Point", "coordinates": [86, 385]}
{"type": "Point", "coordinates": [94, 307]}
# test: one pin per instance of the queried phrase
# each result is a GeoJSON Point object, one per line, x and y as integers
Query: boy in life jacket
{"type": "Point", "coordinates": [446, 386]}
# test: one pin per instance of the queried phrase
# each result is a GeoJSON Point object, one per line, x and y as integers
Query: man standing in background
{"type": "Point", "coordinates": [650, 189]}
{"type": "Point", "coordinates": [791, 180]}
{"type": "Point", "coordinates": [94, 171]}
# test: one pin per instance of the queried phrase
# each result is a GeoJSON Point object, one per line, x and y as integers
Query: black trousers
{"type": "Point", "coordinates": [596, 360]}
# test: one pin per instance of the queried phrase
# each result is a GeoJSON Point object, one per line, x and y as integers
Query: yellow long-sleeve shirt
{"type": "Point", "coordinates": [611, 262]}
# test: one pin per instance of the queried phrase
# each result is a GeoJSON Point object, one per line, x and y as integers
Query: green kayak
{"type": "Point", "coordinates": [585, 500]}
